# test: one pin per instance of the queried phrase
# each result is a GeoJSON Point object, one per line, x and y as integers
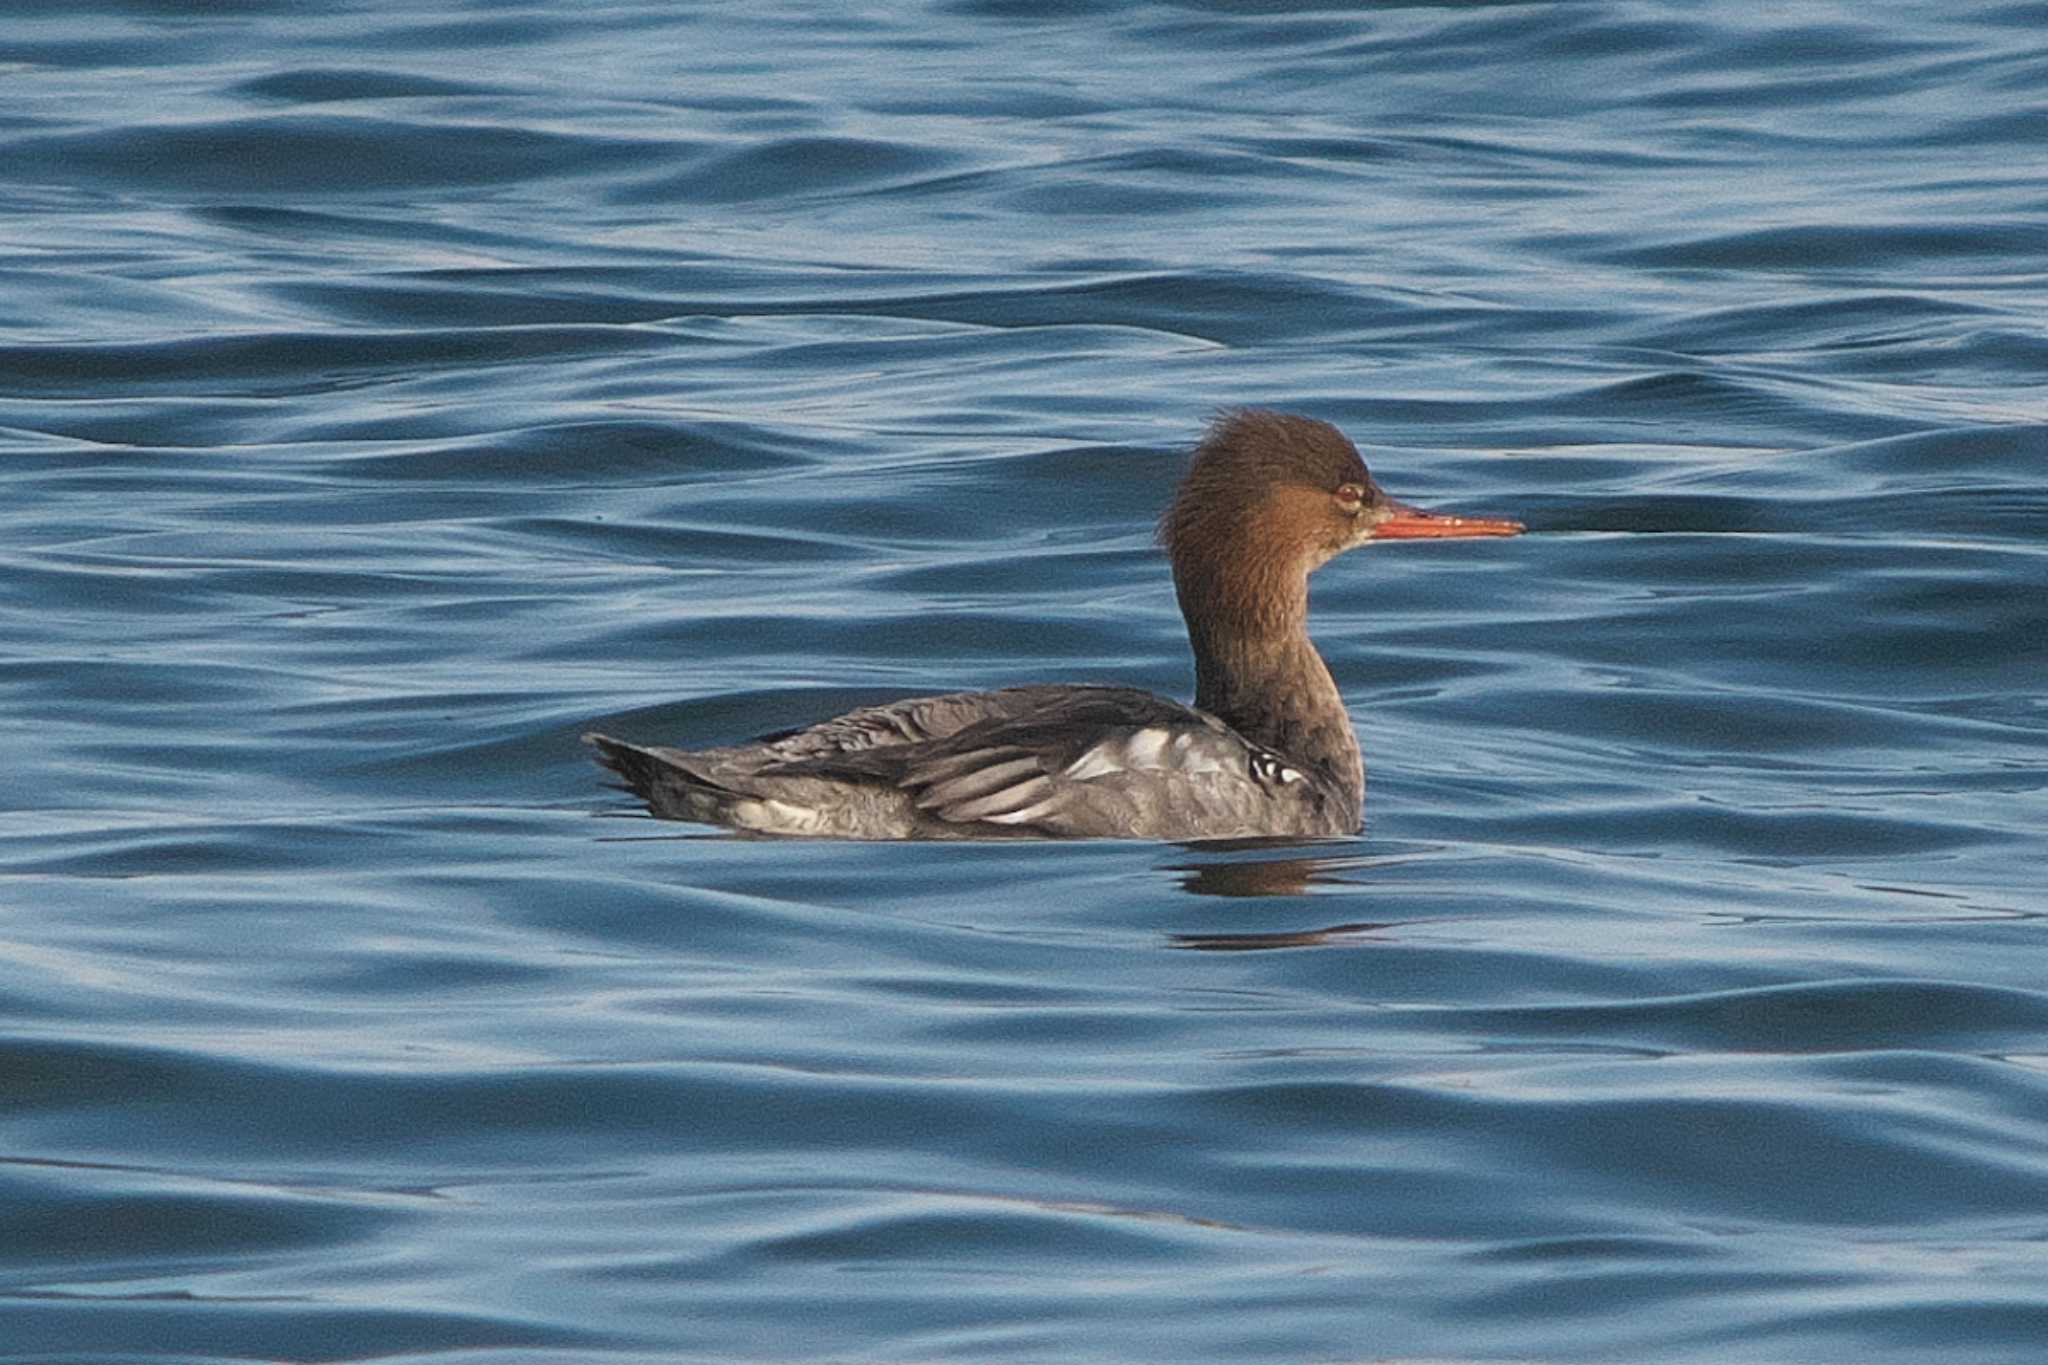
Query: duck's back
{"type": "Point", "coordinates": [1050, 761]}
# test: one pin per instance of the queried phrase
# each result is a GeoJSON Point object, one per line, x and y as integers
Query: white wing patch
{"type": "Point", "coordinates": [1100, 761]}
{"type": "Point", "coordinates": [1156, 749]}
{"type": "Point", "coordinates": [1145, 749]}
{"type": "Point", "coordinates": [1140, 749]}
{"type": "Point", "coordinates": [1267, 767]}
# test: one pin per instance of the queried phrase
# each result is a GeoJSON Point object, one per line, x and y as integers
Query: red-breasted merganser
{"type": "Point", "coordinates": [1267, 749]}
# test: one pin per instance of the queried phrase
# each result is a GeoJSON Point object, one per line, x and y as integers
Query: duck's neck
{"type": "Point", "coordinates": [1257, 669]}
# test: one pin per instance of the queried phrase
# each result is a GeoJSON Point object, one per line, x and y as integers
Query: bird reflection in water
{"type": "Point", "coordinates": [1272, 877]}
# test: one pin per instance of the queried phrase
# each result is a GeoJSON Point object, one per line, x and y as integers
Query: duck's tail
{"type": "Point", "coordinates": [664, 779]}
{"type": "Point", "coordinates": [727, 787]}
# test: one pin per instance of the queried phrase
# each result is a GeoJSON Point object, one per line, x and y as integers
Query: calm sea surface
{"type": "Point", "coordinates": [391, 391]}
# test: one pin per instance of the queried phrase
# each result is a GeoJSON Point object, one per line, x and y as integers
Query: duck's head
{"type": "Point", "coordinates": [1270, 493]}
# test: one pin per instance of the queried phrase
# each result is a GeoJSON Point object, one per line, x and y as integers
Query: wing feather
{"type": "Point", "coordinates": [994, 772]}
{"type": "Point", "coordinates": [1001, 806]}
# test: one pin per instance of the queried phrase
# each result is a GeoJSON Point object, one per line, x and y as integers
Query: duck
{"type": "Point", "coordinates": [1267, 749]}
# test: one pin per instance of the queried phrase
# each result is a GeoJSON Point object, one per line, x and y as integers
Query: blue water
{"type": "Point", "coordinates": [390, 392]}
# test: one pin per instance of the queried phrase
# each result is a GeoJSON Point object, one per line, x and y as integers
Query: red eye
{"type": "Point", "coordinates": [1350, 497]}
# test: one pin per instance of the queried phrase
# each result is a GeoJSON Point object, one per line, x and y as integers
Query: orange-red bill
{"type": "Point", "coordinates": [1412, 523]}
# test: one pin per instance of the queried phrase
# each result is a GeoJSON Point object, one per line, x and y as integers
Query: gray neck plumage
{"type": "Point", "coordinates": [1256, 669]}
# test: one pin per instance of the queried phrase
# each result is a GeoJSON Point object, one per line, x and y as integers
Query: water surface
{"type": "Point", "coordinates": [390, 393]}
